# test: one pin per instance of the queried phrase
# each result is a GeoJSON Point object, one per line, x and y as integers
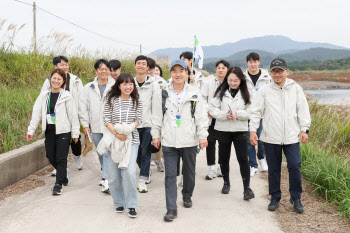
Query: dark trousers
{"type": "Point", "coordinates": [211, 148]}
{"type": "Point", "coordinates": [76, 147]}
{"type": "Point", "coordinates": [144, 153]}
{"type": "Point", "coordinates": [239, 140]}
{"type": "Point", "coordinates": [274, 161]}
{"type": "Point", "coordinates": [57, 148]}
{"type": "Point", "coordinates": [251, 149]}
{"type": "Point", "coordinates": [171, 156]}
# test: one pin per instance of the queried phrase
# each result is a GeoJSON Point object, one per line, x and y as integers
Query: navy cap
{"type": "Point", "coordinates": [278, 63]}
{"type": "Point", "coordinates": [178, 62]}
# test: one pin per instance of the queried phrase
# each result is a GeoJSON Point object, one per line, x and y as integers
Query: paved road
{"type": "Point", "coordinates": [83, 208]}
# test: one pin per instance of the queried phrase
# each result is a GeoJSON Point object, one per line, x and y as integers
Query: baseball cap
{"type": "Point", "coordinates": [278, 63]}
{"type": "Point", "coordinates": [178, 62]}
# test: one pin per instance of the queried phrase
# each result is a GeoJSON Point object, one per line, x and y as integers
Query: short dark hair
{"type": "Point", "coordinates": [222, 61]}
{"type": "Point", "coordinates": [58, 59]}
{"type": "Point", "coordinates": [142, 57]}
{"type": "Point", "coordinates": [188, 55]}
{"type": "Point", "coordinates": [253, 56]}
{"type": "Point", "coordinates": [152, 63]}
{"type": "Point", "coordinates": [115, 64]}
{"type": "Point", "coordinates": [160, 69]}
{"type": "Point", "coordinates": [61, 73]}
{"type": "Point", "coordinates": [101, 61]}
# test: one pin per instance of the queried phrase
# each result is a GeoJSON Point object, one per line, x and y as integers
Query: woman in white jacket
{"type": "Point", "coordinates": [230, 109]}
{"type": "Point", "coordinates": [55, 109]}
{"type": "Point", "coordinates": [124, 107]}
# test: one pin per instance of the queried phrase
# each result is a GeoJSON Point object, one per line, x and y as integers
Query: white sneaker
{"type": "Point", "coordinates": [160, 165]}
{"type": "Point", "coordinates": [153, 163]}
{"type": "Point", "coordinates": [212, 174]}
{"type": "Point", "coordinates": [142, 187]}
{"type": "Point", "coordinates": [263, 165]}
{"type": "Point", "coordinates": [219, 173]}
{"type": "Point", "coordinates": [253, 171]}
{"type": "Point", "coordinates": [149, 177]}
{"type": "Point", "coordinates": [101, 183]}
{"type": "Point", "coordinates": [53, 173]}
{"type": "Point", "coordinates": [79, 162]}
{"type": "Point", "coordinates": [105, 187]}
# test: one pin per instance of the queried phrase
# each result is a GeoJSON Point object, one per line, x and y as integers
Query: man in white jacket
{"type": "Point", "coordinates": [256, 78]}
{"type": "Point", "coordinates": [284, 108]}
{"type": "Point", "coordinates": [146, 87]}
{"type": "Point", "coordinates": [75, 86]}
{"type": "Point", "coordinates": [182, 121]}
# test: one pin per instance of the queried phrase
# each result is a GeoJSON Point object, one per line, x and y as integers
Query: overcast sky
{"type": "Point", "coordinates": [161, 24]}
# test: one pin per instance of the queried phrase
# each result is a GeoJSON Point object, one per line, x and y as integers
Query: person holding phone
{"type": "Point", "coordinates": [230, 108]}
{"type": "Point", "coordinates": [55, 109]}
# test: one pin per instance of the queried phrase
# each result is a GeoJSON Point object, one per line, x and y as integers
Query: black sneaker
{"type": "Point", "coordinates": [170, 215]}
{"type": "Point", "coordinates": [226, 188]}
{"type": "Point", "coordinates": [248, 194]}
{"type": "Point", "coordinates": [120, 209]}
{"type": "Point", "coordinates": [187, 202]}
{"type": "Point", "coordinates": [298, 207]}
{"type": "Point", "coordinates": [57, 189]}
{"type": "Point", "coordinates": [132, 213]}
{"type": "Point", "coordinates": [66, 182]}
{"type": "Point", "coordinates": [274, 204]}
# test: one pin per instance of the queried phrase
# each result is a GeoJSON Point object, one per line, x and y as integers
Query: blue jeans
{"type": "Point", "coordinates": [102, 158]}
{"type": "Point", "coordinates": [252, 151]}
{"type": "Point", "coordinates": [122, 182]}
{"type": "Point", "coordinates": [144, 153]}
{"type": "Point", "coordinates": [274, 161]}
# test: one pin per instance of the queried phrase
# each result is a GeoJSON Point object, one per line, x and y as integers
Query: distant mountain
{"type": "Point", "coordinates": [313, 55]}
{"type": "Point", "coordinates": [272, 44]}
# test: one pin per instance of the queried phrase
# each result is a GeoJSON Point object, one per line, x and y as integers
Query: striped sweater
{"type": "Point", "coordinates": [111, 114]}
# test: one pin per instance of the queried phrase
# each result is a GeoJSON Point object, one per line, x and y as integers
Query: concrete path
{"type": "Point", "coordinates": [83, 208]}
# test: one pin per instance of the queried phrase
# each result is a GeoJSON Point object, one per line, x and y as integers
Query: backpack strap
{"type": "Point", "coordinates": [164, 97]}
{"type": "Point", "coordinates": [193, 108]}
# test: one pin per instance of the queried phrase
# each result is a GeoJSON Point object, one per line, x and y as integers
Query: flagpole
{"type": "Point", "coordinates": [193, 54]}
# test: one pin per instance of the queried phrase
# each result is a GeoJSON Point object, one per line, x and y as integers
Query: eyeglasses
{"type": "Point", "coordinates": [103, 69]}
{"type": "Point", "coordinates": [273, 72]}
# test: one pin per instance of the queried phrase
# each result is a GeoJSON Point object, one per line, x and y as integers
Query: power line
{"type": "Point", "coordinates": [83, 28]}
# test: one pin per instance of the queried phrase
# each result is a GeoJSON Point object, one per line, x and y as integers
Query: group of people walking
{"type": "Point", "coordinates": [131, 117]}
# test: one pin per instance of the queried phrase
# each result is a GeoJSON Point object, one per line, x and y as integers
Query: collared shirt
{"type": "Point", "coordinates": [178, 97]}
{"type": "Point", "coordinates": [217, 82]}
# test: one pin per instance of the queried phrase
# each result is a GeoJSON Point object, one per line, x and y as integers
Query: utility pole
{"type": "Point", "coordinates": [34, 26]}
{"type": "Point", "coordinates": [140, 50]}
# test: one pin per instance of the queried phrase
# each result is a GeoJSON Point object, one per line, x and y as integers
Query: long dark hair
{"type": "Point", "coordinates": [115, 91]}
{"type": "Point", "coordinates": [242, 87]}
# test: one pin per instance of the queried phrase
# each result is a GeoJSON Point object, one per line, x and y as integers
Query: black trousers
{"type": "Point", "coordinates": [76, 147]}
{"type": "Point", "coordinates": [57, 148]}
{"type": "Point", "coordinates": [239, 140]}
{"type": "Point", "coordinates": [274, 161]}
{"type": "Point", "coordinates": [211, 148]}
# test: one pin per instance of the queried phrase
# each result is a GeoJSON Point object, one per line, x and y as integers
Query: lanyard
{"type": "Point", "coordinates": [173, 97]}
{"type": "Point", "coordinates": [48, 101]}
{"type": "Point", "coordinates": [127, 113]}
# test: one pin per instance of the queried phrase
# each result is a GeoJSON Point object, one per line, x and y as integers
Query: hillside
{"type": "Point", "coordinates": [273, 44]}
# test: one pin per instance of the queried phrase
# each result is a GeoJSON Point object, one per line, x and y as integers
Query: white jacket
{"type": "Point", "coordinates": [218, 110]}
{"type": "Point", "coordinates": [263, 80]}
{"type": "Point", "coordinates": [75, 89]}
{"type": "Point", "coordinates": [191, 128]}
{"type": "Point", "coordinates": [146, 92]}
{"type": "Point", "coordinates": [92, 105]}
{"type": "Point", "coordinates": [208, 92]}
{"type": "Point", "coordinates": [160, 81]}
{"type": "Point", "coordinates": [285, 112]}
{"type": "Point", "coordinates": [65, 111]}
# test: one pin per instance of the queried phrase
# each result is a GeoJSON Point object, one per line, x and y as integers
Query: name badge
{"type": "Point", "coordinates": [51, 118]}
{"type": "Point", "coordinates": [176, 121]}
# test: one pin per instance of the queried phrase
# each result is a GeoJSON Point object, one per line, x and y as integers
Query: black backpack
{"type": "Point", "coordinates": [165, 96]}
